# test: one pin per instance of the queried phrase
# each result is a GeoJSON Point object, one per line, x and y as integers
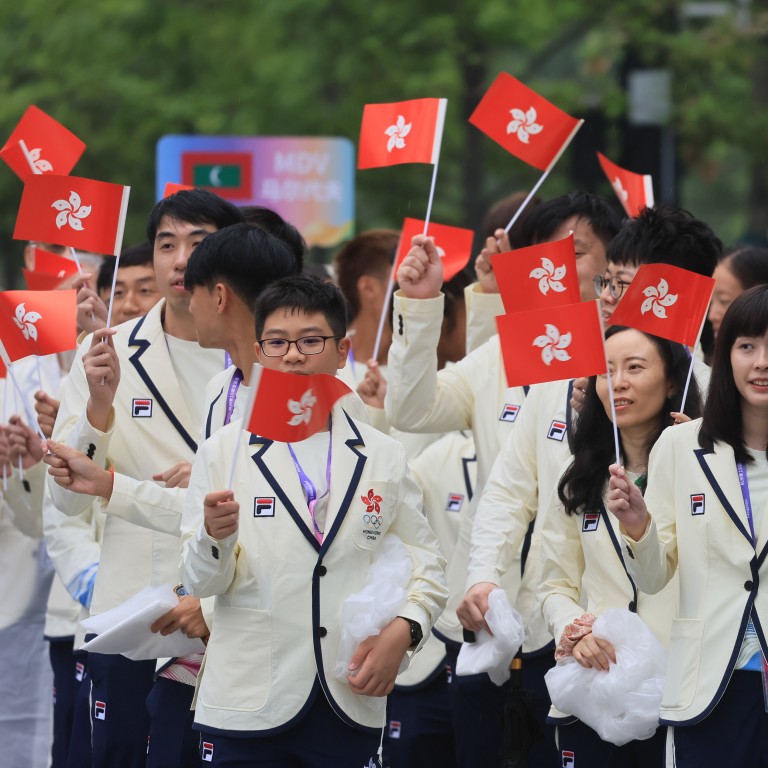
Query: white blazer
{"type": "Point", "coordinates": [278, 592]}
{"type": "Point", "coordinates": [699, 526]}
{"type": "Point", "coordinates": [152, 429]}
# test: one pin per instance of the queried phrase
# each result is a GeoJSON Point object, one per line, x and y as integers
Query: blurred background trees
{"type": "Point", "coordinates": [676, 89]}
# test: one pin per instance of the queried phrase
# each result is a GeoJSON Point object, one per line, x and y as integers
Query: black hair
{"type": "Point", "coordinates": [722, 421]}
{"type": "Point", "coordinates": [275, 224]}
{"type": "Point", "coordinates": [306, 294]}
{"type": "Point", "coordinates": [501, 213]}
{"type": "Point", "coordinates": [370, 253]}
{"type": "Point", "coordinates": [544, 220]}
{"type": "Point", "coordinates": [748, 264]}
{"type": "Point", "coordinates": [139, 255]}
{"type": "Point", "coordinates": [580, 488]}
{"type": "Point", "coordinates": [666, 235]}
{"type": "Point", "coordinates": [246, 258]}
{"type": "Point", "coordinates": [195, 206]}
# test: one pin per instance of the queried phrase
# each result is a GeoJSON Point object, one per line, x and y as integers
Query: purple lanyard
{"type": "Point", "coordinates": [741, 470]}
{"type": "Point", "coordinates": [309, 486]}
{"type": "Point", "coordinates": [234, 385]}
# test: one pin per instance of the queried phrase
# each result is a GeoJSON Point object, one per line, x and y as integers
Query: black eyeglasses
{"type": "Point", "coordinates": [307, 345]}
{"type": "Point", "coordinates": [615, 285]}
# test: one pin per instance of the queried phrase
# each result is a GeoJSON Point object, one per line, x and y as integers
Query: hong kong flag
{"type": "Point", "coordinates": [171, 188]}
{"type": "Point", "coordinates": [66, 210]}
{"type": "Point", "coordinates": [634, 190]}
{"type": "Point", "coordinates": [551, 344]}
{"type": "Point", "coordinates": [454, 244]}
{"type": "Point", "coordinates": [50, 270]}
{"type": "Point", "coordinates": [541, 275]}
{"type": "Point", "coordinates": [666, 301]}
{"type": "Point", "coordinates": [38, 322]}
{"type": "Point", "coordinates": [288, 407]}
{"type": "Point", "coordinates": [39, 144]}
{"type": "Point", "coordinates": [402, 132]}
{"type": "Point", "coordinates": [524, 123]}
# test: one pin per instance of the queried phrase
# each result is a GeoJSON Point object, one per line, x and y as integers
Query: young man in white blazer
{"type": "Point", "coordinates": [268, 695]}
{"type": "Point", "coordinates": [132, 402]}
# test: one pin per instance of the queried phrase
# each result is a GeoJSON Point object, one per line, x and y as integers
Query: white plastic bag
{"type": "Point", "coordinates": [622, 704]}
{"type": "Point", "coordinates": [367, 612]}
{"type": "Point", "coordinates": [494, 653]}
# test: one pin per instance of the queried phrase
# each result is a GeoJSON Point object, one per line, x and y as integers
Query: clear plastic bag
{"type": "Point", "coordinates": [493, 653]}
{"type": "Point", "coordinates": [622, 704]}
{"type": "Point", "coordinates": [365, 613]}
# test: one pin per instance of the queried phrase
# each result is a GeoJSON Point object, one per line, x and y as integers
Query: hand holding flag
{"type": "Point", "coordinates": [453, 245]}
{"type": "Point", "coordinates": [39, 144]}
{"type": "Point", "coordinates": [542, 275]}
{"type": "Point", "coordinates": [634, 190]}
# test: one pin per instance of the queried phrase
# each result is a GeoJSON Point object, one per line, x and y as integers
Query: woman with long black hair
{"type": "Point", "coordinates": [704, 515]}
{"type": "Point", "coordinates": [583, 558]}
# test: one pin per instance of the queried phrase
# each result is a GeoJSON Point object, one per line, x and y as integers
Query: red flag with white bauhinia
{"type": "Point", "coordinates": [551, 344]}
{"type": "Point", "coordinates": [666, 301]}
{"type": "Point", "coordinates": [171, 188]}
{"type": "Point", "coordinates": [634, 190]}
{"type": "Point", "coordinates": [402, 132]}
{"type": "Point", "coordinates": [67, 210]}
{"type": "Point", "coordinates": [289, 407]}
{"type": "Point", "coordinates": [50, 270]}
{"type": "Point", "coordinates": [523, 122]}
{"type": "Point", "coordinates": [542, 275]}
{"type": "Point", "coordinates": [454, 244]}
{"type": "Point", "coordinates": [38, 322]}
{"type": "Point", "coordinates": [39, 144]}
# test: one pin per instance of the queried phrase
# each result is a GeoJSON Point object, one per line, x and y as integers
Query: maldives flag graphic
{"type": "Point", "coordinates": [67, 210]}
{"type": "Point", "coordinates": [541, 275]}
{"type": "Point", "coordinates": [454, 244]}
{"type": "Point", "coordinates": [50, 270]}
{"type": "Point", "coordinates": [39, 144]}
{"type": "Point", "coordinates": [402, 132]}
{"type": "Point", "coordinates": [634, 190]}
{"type": "Point", "coordinates": [551, 344]}
{"type": "Point", "coordinates": [38, 322]}
{"type": "Point", "coordinates": [289, 407]}
{"type": "Point", "coordinates": [524, 123]}
{"type": "Point", "coordinates": [666, 301]}
{"type": "Point", "coordinates": [228, 174]}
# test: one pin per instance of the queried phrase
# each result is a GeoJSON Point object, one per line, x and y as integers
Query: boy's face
{"type": "Point", "coordinates": [293, 325]}
{"type": "Point", "coordinates": [203, 306]}
{"type": "Point", "coordinates": [135, 292]}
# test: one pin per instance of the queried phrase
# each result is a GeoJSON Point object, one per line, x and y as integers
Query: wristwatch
{"type": "Point", "coordinates": [416, 633]}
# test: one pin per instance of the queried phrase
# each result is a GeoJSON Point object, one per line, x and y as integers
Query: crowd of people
{"type": "Point", "coordinates": [147, 476]}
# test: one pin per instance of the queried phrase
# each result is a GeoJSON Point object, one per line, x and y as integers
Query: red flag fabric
{"type": "Point", "coordinates": [50, 147]}
{"type": "Point", "coordinates": [634, 190]}
{"type": "Point", "coordinates": [50, 270]}
{"type": "Point", "coordinates": [551, 344]}
{"type": "Point", "coordinates": [541, 275]}
{"type": "Point", "coordinates": [524, 123]}
{"type": "Point", "coordinates": [171, 188]}
{"type": "Point", "coordinates": [38, 322]}
{"type": "Point", "coordinates": [454, 244]}
{"type": "Point", "coordinates": [289, 407]}
{"type": "Point", "coordinates": [666, 301]}
{"type": "Point", "coordinates": [67, 210]}
{"type": "Point", "coordinates": [402, 132]}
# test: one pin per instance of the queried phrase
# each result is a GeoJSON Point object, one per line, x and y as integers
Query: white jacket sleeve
{"type": "Point", "coordinates": [145, 503]}
{"type": "Point", "coordinates": [482, 310]}
{"type": "Point", "coordinates": [508, 505]}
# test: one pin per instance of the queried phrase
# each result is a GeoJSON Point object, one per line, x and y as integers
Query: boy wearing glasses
{"type": "Point", "coordinates": [269, 695]}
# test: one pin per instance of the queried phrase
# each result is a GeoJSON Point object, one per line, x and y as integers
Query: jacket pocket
{"type": "Point", "coordinates": [238, 660]}
{"type": "Point", "coordinates": [683, 665]}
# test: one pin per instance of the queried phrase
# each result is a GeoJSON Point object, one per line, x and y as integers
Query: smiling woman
{"type": "Point", "coordinates": [581, 554]}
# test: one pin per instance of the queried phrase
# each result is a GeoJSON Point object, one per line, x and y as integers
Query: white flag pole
{"type": "Point", "coordinates": [546, 173]}
{"type": "Point", "coordinates": [118, 248]}
{"type": "Point", "coordinates": [693, 358]}
{"type": "Point", "coordinates": [610, 385]}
